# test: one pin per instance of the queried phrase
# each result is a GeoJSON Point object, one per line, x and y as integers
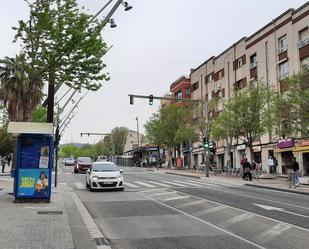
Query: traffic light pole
{"type": "Point", "coordinates": [206, 150]}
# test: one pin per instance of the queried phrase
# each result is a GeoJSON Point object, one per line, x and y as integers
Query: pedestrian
{"type": "Point", "coordinates": [255, 169]}
{"type": "Point", "coordinates": [3, 163]}
{"type": "Point", "coordinates": [9, 159]}
{"type": "Point", "coordinates": [242, 161]}
{"type": "Point", "coordinates": [173, 161]}
{"type": "Point", "coordinates": [275, 165]}
{"type": "Point", "coordinates": [296, 171]}
{"type": "Point", "coordinates": [271, 164]}
{"type": "Point", "coordinates": [247, 170]}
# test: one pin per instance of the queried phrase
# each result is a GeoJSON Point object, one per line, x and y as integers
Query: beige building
{"type": "Point", "coordinates": [132, 141]}
{"type": "Point", "coordinates": [269, 55]}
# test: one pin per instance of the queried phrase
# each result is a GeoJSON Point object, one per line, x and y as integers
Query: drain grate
{"type": "Point", "coordinates": [51, 212]}
{"type": "Point", "coordinates": [100, 241]}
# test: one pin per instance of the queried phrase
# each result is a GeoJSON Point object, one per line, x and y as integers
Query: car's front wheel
{"type": "Point", "coordinates": [87, 184]}
{"type": "Point", "coordinates": [90, 187]}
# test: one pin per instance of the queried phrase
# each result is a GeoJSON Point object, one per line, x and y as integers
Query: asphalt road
{"type": "Point", "coordinates": [159, 210]}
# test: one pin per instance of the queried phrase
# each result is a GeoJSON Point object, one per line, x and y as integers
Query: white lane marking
{"type": "Point", "coordinates": [79, 185]}
{"type": "Point", "coordinates": [301, 215]}
{"type": "Point", "coordinates": [130, 185]}
{"type": "Point", "coordinates": [203, 183]}
{"type": "Point", "coordinates": [210, 210]}
{"type": "Point", "coordinates": [237, 219]}
{"type": "Point", "coordinates": [175, 198]}
{"type": "Point", "coordinates": [164, 193]}
{"type": "Point", "coordinates": [242, 210]}
{"type": "Point", "coordinates": [63, 183]}
{"type": "Point", "coordinates": [89, 222]}
{"type": "Point", "coordinates": [145, 184]}
{"type": "Point", "coordinates": [191, 204]}
{"type": "Point", "coordinates": [161, 184]}
{"type": "Point", "coordinates": [174, 183]}
{"type": "Point", "coordinates": [189, 183]}
{"type": "Point", "coordinates": [152, 190]}
{"type": "Point", "coordinates": [272, 232]}
{"type": "Point", "coordinates": [205, 222]}
{"type": "Point", "coordinates": [69, 173]}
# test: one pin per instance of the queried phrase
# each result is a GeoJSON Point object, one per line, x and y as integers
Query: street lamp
{"type": "Point", "coordinates": [126, 6]}
{"type": "Point", "coordinates": [112, 22]}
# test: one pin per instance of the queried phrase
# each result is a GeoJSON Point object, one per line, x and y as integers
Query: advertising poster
{"type": "Point", "coordinates": [33, 182]}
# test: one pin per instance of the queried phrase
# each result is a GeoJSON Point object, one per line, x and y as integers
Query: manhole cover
{"type": "Point", "coordinates": [51, 212]}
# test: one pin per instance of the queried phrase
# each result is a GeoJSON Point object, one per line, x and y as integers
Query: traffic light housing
{"type": "Point", "coordinates": [131, 100]}
{"type": "Point", "coordinates": [206, 143]}
{"type": "Point", "coordinates": [150, 99]}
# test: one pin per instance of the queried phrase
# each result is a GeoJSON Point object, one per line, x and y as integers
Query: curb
{"type": "Point", "coordinates": [275, 188]}
{"type": "Point", "coordinates": [179, 174]}
{"type": "Point", "coordinates": [5, 174]}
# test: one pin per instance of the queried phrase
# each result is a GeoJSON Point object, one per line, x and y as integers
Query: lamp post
{"type": "Point", "coordinates": [137, 132]}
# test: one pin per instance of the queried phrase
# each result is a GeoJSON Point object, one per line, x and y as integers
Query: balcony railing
{"type": "Point", "coordinates": [283, 49]}
{"type": "Point", "coordinates": [303, 43]}
{"type": "Point", "coordinates": [253, 64]}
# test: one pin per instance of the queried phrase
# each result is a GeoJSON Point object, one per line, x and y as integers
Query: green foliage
{"type": "Point", "coordinates": [39, 114]}
{"type": "Point", "coordinates": [18, 92]}
{"type": "Point", "coordinates": [171, 126]}
{"type": "Point", "coordinates": [118, 138]}
{"type": "Point", "coordinates": [68, 151]}
{"type": "Point", "coordinates": [6, 142]}
{"type": "Point", "coordinates": [61, 45]}
{"type": "Point", "coordinates": [292, 107]}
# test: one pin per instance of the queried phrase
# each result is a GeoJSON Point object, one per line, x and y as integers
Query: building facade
{"type": "Point", "coordinates": [269, 55]}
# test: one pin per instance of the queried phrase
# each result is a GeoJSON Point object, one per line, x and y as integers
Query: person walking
{"type": "Point", "coordinates": [255, 169]}
{"type": "Point", "coordinates": [3, 163]}
{"type": "Point", "coordinates": [9, 159]}
{"type": "Point", "coordinates": [247, 170]}
{"type": "Point", "coordinates": [271, 164]}
{"type": "Point", "coordinates": [296, 171]}
{"type": "Point", "coordinates": [242, 161]}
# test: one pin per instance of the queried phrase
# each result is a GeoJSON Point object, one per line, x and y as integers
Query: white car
{"type": "Point", "coordinates": [104, 175]}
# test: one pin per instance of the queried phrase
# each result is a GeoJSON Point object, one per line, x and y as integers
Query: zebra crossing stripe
{"type": "Point", "coordinates": [130, 185]}
{"type": "Point", "coordinates": [163, 193]}
{"type": "Point", "coordinates": [145, 184]}
{"type": "Point", "coordinates": [161, 184]}
{"type": "Point", "coordinates": [199, 182]}
{"type": "Point", "coordinates": [175, 198]}
{"type": "Point", "coordinates": [190, 184]}
{"type": "Point", "coordinates": [174, 183]}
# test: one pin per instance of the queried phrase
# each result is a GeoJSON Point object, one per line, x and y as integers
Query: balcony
{"type": "Point", "coordinates": [253, 64]}
{"type": "Point", "coordinates": [282, 49]}
{"type": "Point", "coordinates": [303, 43]}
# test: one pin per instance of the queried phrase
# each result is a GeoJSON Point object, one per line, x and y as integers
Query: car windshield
{"type": "Point", "coordinates": [85, 159]}
{"type": "Point", "coordinates": [104, 168]}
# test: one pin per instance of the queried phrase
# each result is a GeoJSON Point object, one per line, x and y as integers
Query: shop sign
{"type": "Point", "coordinates": [241, 147]}
{"type": "Point", "coordinates": [287, 143]}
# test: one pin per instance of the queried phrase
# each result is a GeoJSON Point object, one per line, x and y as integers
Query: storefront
{"type": "Point", "coordinates": [303, 149]}
{"type": "Point", "coordinates": [284, 152]}
{"type": "Point", "coordinates": [241, 150]}
{"type": "Point", "coordinates": [220, 157]}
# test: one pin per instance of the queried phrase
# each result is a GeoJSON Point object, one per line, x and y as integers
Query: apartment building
{"type": "Point", "coordinates": [269, 55]}
{"type": "Point", "coordinates": [133, 140]}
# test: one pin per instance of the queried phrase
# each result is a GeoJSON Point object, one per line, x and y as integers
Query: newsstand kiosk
{"type": "Point", "coordinates": [34, 160]}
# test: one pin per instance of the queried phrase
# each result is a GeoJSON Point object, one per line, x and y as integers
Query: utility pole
{"type": "Point", "coordinates": [206, 150]}
{"type": "Point", "coordinates": [137, 132]}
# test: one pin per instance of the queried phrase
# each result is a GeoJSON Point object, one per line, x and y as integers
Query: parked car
{"type": "Point", "coordinates": [82, 164]}
{"type": "Point", "coordinates": [104, 175]}
{"type": "Point", "coordinates": [69, 162]}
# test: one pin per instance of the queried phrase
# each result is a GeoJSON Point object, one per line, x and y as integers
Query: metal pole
{"type": "Point", "coordinates": [137, 132]}
{"type": "Point", "coordinates": [207, 154]}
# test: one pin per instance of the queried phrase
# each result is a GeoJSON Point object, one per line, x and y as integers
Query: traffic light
{"type": "Point", "coordinates": [150, 99]}
{"type": "Point", "coordinates": [206, 143]}
{"type": "Point", "coordinates": [131, 100]}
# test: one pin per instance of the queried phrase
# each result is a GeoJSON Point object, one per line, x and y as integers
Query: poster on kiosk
{"type": "Point", "coordinates": [33, 172]}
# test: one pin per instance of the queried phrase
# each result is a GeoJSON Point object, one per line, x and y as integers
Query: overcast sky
{"type": "Point", "coordinates": [154, 43]}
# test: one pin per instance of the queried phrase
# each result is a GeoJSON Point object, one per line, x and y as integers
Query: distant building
{"type": "Point", "coordinates": [132, 142]}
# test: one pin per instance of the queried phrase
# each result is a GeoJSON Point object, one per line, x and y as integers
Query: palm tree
{"type": "Point", "coordinates": [19, 91]}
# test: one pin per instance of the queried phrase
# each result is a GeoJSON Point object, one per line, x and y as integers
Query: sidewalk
{"type": "Point", "coordinates": [54, 225]}
{"type": "Point", "coordinates": [268, 182]}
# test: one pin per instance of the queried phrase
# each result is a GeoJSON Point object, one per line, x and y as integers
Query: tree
{"type": "Point", "coordinates": [61, 45]}
{"type": "Point", "coordinates": [118, 138]}
{"type": "Point", "coordinates": [292, 107]}
{"type": "Point", "coordinates": [171, 127]}
{"type": "Point", "coordinates": [17, 92]}
{"type": "Point", "coordinates": [69, 150]}
{"type": "Point", "coordinates": [6, 142]}
{"type": "Point", "coordinates": [39, 114]}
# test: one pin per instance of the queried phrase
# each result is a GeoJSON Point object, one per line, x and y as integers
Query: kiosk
{"type": "Point", "coordinates": [32, 171]}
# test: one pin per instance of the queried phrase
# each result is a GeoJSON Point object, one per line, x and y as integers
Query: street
{"type": "Point", "coordinates": [159, 210]}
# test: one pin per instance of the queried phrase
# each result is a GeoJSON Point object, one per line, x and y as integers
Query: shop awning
{"type": "Point", "coordinates": [303, 149]}
{"type": "Point", "coordinates": [284, 150]}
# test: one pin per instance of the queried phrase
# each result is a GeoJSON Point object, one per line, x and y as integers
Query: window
{"type": "Point", "coordinates": [220, 74]}
{"type": "Point", "coordinates": [303, 37]}
{"type": "Point", "coordinates": [178, 95]}
{"type": "Point", "coordinates": [283, 70]}
{"type": "Point", "coordinates": [253, 61]}
{"type": "Point", "coordinates": [195, 86]}
{"type": "Point", "coordinates": [209, 77]}
{"type": "Point", "coordinates": [239, 63]}
{"type": "Point", "coordinates": [282, 44]}
{"type": "Point", "coordinates": [188, 91]}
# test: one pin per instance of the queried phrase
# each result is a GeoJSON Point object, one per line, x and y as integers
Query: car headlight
{"type": "Point", "coordinates": [119, 177]}
{"type": "Point", "coordinates": [94, 178]}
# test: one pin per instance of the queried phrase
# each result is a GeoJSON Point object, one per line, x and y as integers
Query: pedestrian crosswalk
{"type": "Point", "coordinates": [163, 184]}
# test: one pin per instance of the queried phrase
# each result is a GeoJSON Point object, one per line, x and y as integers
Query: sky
{"type": "Point", "coordinates": [153, 44]}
